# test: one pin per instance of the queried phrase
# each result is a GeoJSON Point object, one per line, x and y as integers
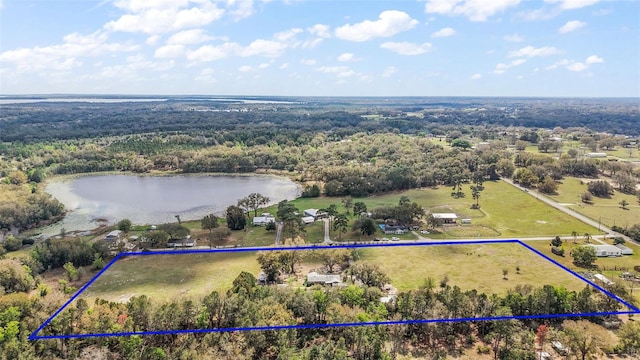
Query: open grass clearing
{"type": "Point", "coordinates": [611, 267]}
{"type": "Point", "coordinates": [473, 266]}
{"type": "Point", "coordinates": [606, 210]}
{"type": "Point", "coordinates": [169, 277]}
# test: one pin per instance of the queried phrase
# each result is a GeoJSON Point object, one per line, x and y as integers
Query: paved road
{"type": "Point", "coordinates": [327, 239]}
{"type": "Point", "coordinates": [278, 232]}
{"type": "Point", "coordinates": [568, 211]}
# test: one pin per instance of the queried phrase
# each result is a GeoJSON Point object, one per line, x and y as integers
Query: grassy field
{"type": "Point", "coordinates": [168, 277]}
{"type": "Point", "coordinates": [468, 266]}
{"type": "Point", "coordinates": [608, 211]}
{"type": "Point", "coordinates": [610, 267]}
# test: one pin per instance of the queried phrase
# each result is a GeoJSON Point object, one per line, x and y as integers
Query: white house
{"type": "Point", "coordinates": [606, 250]}
{"type": "Point", "coordinates": [315, 278]}
{"type": "Point", "coordinates": [447, 218]}
{"type": "Point", "coordinates": [263, 220]}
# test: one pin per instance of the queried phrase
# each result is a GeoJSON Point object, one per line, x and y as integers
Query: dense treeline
{"type": "Point", "coordinates": [248, 304]}
{"type": "Point", "coordinates": [27, 207]}
{"type": "Point", "coordinates": [38, 122]}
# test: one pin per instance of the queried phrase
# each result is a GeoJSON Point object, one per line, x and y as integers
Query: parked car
{"type": "Point", "coordinates": [395, 238]}
{"type": "Point", "coordinates": [385, 239]}
{"type": "Point", "coordinates": [424, 232]}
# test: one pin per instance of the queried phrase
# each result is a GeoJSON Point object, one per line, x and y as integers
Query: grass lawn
{"type": "Point", "coordinates": [608, 211]}
{"type": "Point", "coordinates": [168, 277]}
{"type": "Point", "coordinates": [611, 267]}
{"type": "Point", "coordinates": [468, 266]}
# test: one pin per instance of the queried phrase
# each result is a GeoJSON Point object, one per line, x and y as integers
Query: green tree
{"type": "Point", "coordinates": [157, 239]}
{"type": "Point", "coordinates": [124, 225]}
{"type": "Point", "coordinates": [70, 271]}
{"type": "Point", "coordinates": [557, 242]}
{"type": "Point", "coordinates": [584, 338]}
{"type": "Point", "coordinates": [332, 257]}
{"type": "Point", "coordinates": [218, 235]}
{"type": "Point", "coordinates": [209, 222]}
{"type": "Point", "coordinates": [461, 143]}
{"type": "Point", "coordinates": [623, 204]}
{"type": "Point", "coordinates": [370, 275]}
{"type": "Point", "coordinates": [235, 218]}
{"type": "Point", "coordinates": [629, 335]}
{"type": "Point", "coordinates": [14, 277]}
{"type": "Point", "coordinates": [347, 202]}
{"type": "Point", "coordinates": [270, 264]}
{"type": "Point", "coordinates": [253, 202]}
{"type": "Point", "coordinates": [584, 256]}
{"type": "Point", "coordinates": [359, 208]}
{"type": "Point", "coordinates": [340, 224]}
{"type": "Point", "coordinates": [548, 186]}
{"type": "Point", "coordinates": [366, 226]}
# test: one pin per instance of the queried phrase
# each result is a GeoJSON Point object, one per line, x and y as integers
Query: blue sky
{"type": "Point", "coordinates": [321, 48]}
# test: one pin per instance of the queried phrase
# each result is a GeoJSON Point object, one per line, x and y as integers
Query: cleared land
{"type": "Point", "coordinates": [165, 277]}
{"type": "Point", "coordinates": [606, 210]}
{"type": "Point", "coordinates": [474, 266]}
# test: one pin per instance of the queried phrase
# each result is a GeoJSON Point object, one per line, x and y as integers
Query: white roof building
{"type": "Point", "coordinates": [606, 250]}
{"type": "Point", "coordinates": [446, 216]}
{"type": "Point", "coordinates": [315, 278]}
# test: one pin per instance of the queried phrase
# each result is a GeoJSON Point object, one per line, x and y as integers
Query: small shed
{"type": "Point", "coordinates": [603, 279]}
{"type": "Point", "coordinates": [625, 250]}
{"type": "Point", "coordinates": [308, 219]}
{"type": "Point", "coordinates": [263, 220]}
{"type": "Point", "coordinates": [465, 221]}
{"type": "Point", "coordinates": [606, 250]}
{"type": "Point", "coordinates": [114, 235]}
{"type": "Point", "coordinates": [447, 218]}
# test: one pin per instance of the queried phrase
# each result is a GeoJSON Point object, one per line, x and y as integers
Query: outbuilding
{"type": "Point", "coordinates": [447, 218]}
{"type": "Point", "coordinates": [114, 235]}
{"type": "Point", "coordinates": [625, 250]}
{"type": "Point", "coordinates": [606, 250]}
{"type": "Point", "coordinates": [308, 220]}
{"type": "Point", "coordinates": [263, 220]}
{"type": "Point", "coordinates": [326, 279]}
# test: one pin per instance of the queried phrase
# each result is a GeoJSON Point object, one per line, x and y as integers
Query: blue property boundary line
{"type": "Point", "coordinates": [34, 335]}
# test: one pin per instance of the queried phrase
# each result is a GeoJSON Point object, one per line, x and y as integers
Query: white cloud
{"type": "Point", "coordinates": [345, 57]}
{"type": "Point", "coordinates": [152, 40]}
{"type": "Point", "coordinates": [308, 61]}
{"type": "Point", "coordinates": [476, 77]}
{"type": "Point", "coordinates": [570, 26]}
{"type": "Point", "coordinates": [594, 59]}
{"type": "Point", "coordinates": [513, 38]}
{"type": "Point", "coordinates": [63, 56]}
{"type": "Point", "coordinates": [406, 48]}
{"type": "Point", "coordinates": [170, 51]}
{"type": "Point", "coordinates": [206, 75]}
{"type": "Point", "coordinates": [162, 16]}
{"type": "Point", "coordinates": [240, 9]}
{"type": "Point", "coordinates": [444, 32]}
{"type": "Point", "coordinates": [530, 51]}
{"type": "Point", "coordinates": [502, 67]}
{"type": "Point", "coordinates": [389, 71]}
{"type": "Point", "coordinates": [246, 68]}
{"type": "Point", "coordinates": [189, 37]}
{"type": "Point", "coordinates": [475, 10]}
{"type": "Point", "coordinates": [284, 66]}
{"type": "Point", "coordinates": [320, 30]}
{"type": "Point", "coordinates": [340, 71]}
{"type": "Point", "coordinates": [577, 66]}
{"type": "Point", "coordinates": [389, 23]}
{"type": "Point", "coordinates": [288, 35]}
{"type": "Point", "coordinates": [311, 43]}
{"type": "Point", "coordinates": [572, 4]}
{"type": "Point", "coordinates": [207, 53]}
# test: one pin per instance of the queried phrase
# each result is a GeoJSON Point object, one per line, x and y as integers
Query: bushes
{"type": "Point", "coordinates": [55, 253]}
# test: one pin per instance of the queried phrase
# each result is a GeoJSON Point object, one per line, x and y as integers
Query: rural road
{"type": "Point", "coordinates": [568, 211]}
{"type": "Point", "coordinates": [326, 240]}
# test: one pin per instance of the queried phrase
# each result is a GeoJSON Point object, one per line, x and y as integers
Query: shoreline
{"type": "Point", "coordinates": [49, 229]}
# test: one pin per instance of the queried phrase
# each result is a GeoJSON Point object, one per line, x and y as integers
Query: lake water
{"type": "Point", "coordinates": [156, 199]}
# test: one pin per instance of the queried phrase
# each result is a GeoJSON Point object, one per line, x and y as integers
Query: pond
{"type": "Point", "coordinates": [92, 199]}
